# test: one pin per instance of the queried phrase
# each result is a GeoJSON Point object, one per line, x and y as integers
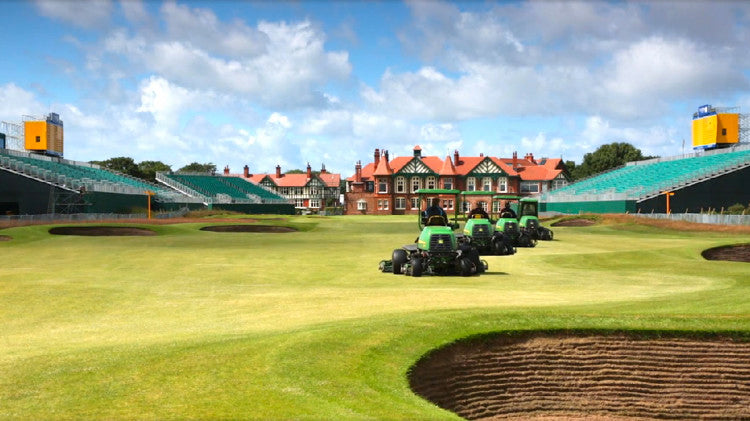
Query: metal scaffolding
{"type": "Point", "coordinates": [13, 135]}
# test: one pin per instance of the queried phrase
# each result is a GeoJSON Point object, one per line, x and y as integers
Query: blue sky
{"type": "Point", "coordinates": [265, 83]}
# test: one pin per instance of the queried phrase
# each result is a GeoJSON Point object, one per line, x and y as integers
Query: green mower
{"type": "Point", "coordinates": [480, 232]}
{"type": "Point", "coordinates": [522, 223]}
{"type": "Point", "coordinates": [437, 250]}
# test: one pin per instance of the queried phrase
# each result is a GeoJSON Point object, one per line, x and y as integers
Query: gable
{"type": "Point", "coordinates": [415, 166]}
{"type": "Point", "coordinates": [267, 181]}
{"type": "Point", "coordinates": [487, 167]}
{"type": "Point", "coordinates": [315, 182]}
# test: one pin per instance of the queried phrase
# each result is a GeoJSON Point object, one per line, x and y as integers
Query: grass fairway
{"type": "Point", "coordinates": [301, 325]}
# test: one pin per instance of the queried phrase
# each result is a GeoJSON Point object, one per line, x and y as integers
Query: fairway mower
{"type": "Point", "coordinates": [437, 250]}
{"type": "Point", "coordinates": [522, 223]}
{"type": "Point", "coordinates": [480, 232]}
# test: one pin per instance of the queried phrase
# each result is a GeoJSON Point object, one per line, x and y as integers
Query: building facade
{"type": "Point", "coordinates": [308, 191]}
{"type": "Point", "coordinates": [388, 187]}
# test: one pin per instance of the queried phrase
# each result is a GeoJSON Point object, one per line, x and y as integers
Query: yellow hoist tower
{"type": "Point", "coordinates": [717, 127]}
{"type": "Point", "coordinates": [44, 136]}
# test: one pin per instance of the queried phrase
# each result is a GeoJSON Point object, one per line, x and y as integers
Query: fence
{"type": "Point", "coordinates": [700, 218]}
{"type": "Point", "coordinates": [13, 220]}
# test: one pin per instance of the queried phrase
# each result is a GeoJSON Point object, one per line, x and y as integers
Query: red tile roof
{"type": "Point", "coordinates": [525, 169]}
{"type": "Point", "coordinates": [383, 168]}
{"type": "Point", "coordinates": [293, 180]}
{"type": "Point", "coordinates": [448, 167]}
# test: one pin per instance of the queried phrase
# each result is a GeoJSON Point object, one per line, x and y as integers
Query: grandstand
{"type": "Point", "coordinates": [712, 179]}
{"type": "Point", "coordinates": [74, 176]}
{"type": "Point", "coordinates": [39, 184]}
{"type": "Point", "coordinates": [34, 183]}
{"type": "Point", "coordinates": [213, 189]}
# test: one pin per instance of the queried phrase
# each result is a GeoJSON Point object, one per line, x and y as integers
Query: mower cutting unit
{"type": "Point", "coordinates": [437, 251]}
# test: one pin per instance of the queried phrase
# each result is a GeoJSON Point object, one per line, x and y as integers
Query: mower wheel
{"type": "Point", "coordinates": [399, 258]}
{"type": "Point", "coordinates": [502, 247]}
{"type": "Point", "coordinates": [525, 240]}
{"type": "Point", "coordinates": [416, 267]}
{"type": "Point", "coordinates": [546, 234]}
{"type": "Point", "coordinates": [498, 245]}
{"type": "Point", "coordinates": [466, 266]}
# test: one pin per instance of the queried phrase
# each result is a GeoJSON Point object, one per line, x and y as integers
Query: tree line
{"type": "Point", "coordinates": [147, 170]}
{"type": "Point", "coordinates": [604, 158]}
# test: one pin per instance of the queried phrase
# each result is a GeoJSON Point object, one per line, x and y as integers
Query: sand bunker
{"type": "Point", "coordinates": [577, 222]}
{"type": "Point", "coordinates": [248, 228]}
{"type": "Point", "coordinates": [735, 253]}
{"type": "Point", "coordinates": [103, 231]}
{"type": "Point", "coordinates": [556, 376]}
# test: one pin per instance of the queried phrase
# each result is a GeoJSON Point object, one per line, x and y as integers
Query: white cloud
{"type": "Point", "coordinates": [540, 144]}
{"type": "Point", "coordinates": [651, 140]}
{"type": "Point", "coordinates": [202, 29]}
{"type": "Point", "coordinates": [135, 12]}
{"type": "Point", "coordinates": [444, 132]}
{"type": "Point", "coordinates": [521, 59]}
{"type": "Point", "coordinates": [278, 64]}
{"type": "Point", "coordinates": [85, 14]}
{"type": "Point", "coordinates": [654, 71]}
{"type": "Point", "coordinates": [164, 101]}
{"type": "Point", "coordinates": [16, 102]}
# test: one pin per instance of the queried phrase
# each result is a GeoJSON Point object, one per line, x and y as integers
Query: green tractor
{"type": "Point", "coordinates": [437, 250]}
{"type": "Point", "coordinates": [528, 220]}
{"type": "Point", "coordinates": [480, 232]}
{"type": "Point", "coordinates": [521, 224]}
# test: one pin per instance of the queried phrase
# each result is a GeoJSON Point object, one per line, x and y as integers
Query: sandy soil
{"type": "Point", "coordinates": [593, 377]}
{"type": "Point", "coordinates": [100, 231]}
{"type": "Point", "coordinates": [735, 253]}
{"type": "Point", "coordinates": [5, 238]}
{"type": "Point", "coordinates": [247, 228]}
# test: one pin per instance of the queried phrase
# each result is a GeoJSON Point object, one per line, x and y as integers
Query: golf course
{"type": "Point", "coordinates": [298, 323]}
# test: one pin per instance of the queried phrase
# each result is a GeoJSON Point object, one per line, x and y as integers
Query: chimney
{"type": "Point", "coordinates": [226, 170]}
{"type": "Point", "coordinates": [323, 169]}
{"type": "Point", "coordinates": [309, 171]}
{"type": "Point", "coordinates": [377, 157]}
{"type": "Point", "coordinates": [515, 160]}
{"type": "Point", "coordinates": [481, 154]}
{"type": "Point", "coordinates": [455, 157]}
{"type": "Point", "coordinates": [530, 157]}
{"type": "Point", "coordinates": [386, 156]}
{"type": "Point", "coordinates": [358, 172]}
{"type": "Point", "coordinates": [246, 171]}
{"type": "Point", "coordinates": [278, 171]}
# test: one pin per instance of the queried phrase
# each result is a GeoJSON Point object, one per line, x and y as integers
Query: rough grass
{"type": "Point", "coordinates": [195, 324]}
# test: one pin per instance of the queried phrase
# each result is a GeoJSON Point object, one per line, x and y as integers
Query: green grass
{"type": "Point", "coordinates": [194, 324]}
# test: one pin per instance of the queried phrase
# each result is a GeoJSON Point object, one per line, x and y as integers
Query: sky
{"type": "Point", "coordinates": [266, 83]}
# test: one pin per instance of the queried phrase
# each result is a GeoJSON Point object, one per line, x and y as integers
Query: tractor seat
{"type": "Point", "coordinates": [436, 220]}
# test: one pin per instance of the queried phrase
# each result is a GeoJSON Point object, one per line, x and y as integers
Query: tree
{"type": "Point", "coordinates": [148, 169]}
{"type": "Point", "coordinates": [208, 168]}
{"type": "Point", "coordinates": [121, 164]}
{"type": "Point", "coordinates": [571, 167]}
{"type": "Point", "coordinates": [606, 157]}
